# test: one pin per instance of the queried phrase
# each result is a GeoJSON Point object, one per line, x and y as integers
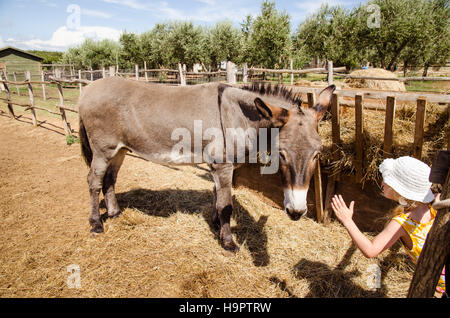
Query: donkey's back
{"type": "Point", "coordinates": [118, 113]}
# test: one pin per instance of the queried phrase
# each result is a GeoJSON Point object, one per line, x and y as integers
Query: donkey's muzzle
{"type": "Point", "coordinates": [295, 202]}
{"type": "Point", "coordinates": [295, 215]}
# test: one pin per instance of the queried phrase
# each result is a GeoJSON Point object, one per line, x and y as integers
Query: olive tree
{"type": "Point", "coordinates": [267, 38]}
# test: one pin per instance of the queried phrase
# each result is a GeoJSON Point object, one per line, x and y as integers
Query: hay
{"type": "Point", "coordinates": [302, 82]}
{"type": "Point", "coordinates": [374, 121]}
{"type": "Point", "coordinates": [375, 84]}
{"type": "Point", "coordinates": [316, 84]}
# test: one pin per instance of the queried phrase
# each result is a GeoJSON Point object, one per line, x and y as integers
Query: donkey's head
{"type": "Point", "coordinates": [299, 147]}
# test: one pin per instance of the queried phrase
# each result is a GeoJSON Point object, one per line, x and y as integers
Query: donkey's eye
{"type": "Point", "coordinates": [316, 156]}
{"type": "Point", "coordinates": [282, 156]}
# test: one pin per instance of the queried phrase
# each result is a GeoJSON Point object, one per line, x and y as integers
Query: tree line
{"type": "Point", "coordinates": [408, 32]}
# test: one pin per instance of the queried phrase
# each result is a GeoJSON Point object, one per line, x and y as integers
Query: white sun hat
{"type": "Point", "coordinates": [408, 177]}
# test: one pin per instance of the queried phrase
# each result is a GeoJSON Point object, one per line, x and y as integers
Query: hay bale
{"type": "Point", "coordinates": [375, 84]}
{"type": "Point", "coordinates": [302, 82]}
{"type": "Point", "coordinates": [316, 84]}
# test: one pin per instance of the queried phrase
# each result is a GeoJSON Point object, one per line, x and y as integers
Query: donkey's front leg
{"type": "Point", "coordinates": [223, 176]}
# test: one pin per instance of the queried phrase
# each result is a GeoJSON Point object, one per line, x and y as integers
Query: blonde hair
{"type": "Point", "coordinates": [403, 206]}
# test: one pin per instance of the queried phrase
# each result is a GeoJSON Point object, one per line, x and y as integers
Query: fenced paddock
{"type": "Point", "coordinates": [162, 245]}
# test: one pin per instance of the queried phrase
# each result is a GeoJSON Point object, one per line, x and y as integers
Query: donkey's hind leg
{"type": "Point", "coordinates": [109, 181]}
{"type": "Point", "coordinates": [98, 169]}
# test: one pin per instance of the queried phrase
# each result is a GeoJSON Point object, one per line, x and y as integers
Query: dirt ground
{"type": "Point", "coordinates": [162, 245]}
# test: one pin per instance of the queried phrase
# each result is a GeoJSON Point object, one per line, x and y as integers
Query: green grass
{"type": "Point", "coordinates": [434, 87]}
{"type": "Point", "coordinates": [70, 139]}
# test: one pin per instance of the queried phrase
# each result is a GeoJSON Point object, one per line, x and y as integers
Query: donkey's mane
{"type": "Point", "coordinates": [276, 90]}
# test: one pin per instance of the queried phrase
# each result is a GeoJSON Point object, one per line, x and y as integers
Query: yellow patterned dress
{"type": "Point", "coordinates": [418, 233]}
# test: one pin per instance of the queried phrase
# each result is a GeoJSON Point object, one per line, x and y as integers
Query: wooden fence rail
{"type": "Point", "coordinates": [397, 79]}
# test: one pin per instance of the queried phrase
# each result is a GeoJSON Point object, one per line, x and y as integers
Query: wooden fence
{"type": "Point", "coordinates": [31, 105]}
{"type": "Point", "coordinates": [323, 213]}
{"type": "Point", "coordinates": [232, 73]}
{"type": "Point", "coordinates": [322, 200]}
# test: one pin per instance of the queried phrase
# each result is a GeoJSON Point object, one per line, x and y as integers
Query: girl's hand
{"type": "Point", "coordinates": [343, 213]}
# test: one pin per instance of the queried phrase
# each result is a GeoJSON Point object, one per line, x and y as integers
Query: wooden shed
{"type": "Point", "coordinates": [16, 60]}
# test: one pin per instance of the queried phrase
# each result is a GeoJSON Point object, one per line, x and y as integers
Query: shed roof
{"type": "Point", "coordinates": [9, 49]}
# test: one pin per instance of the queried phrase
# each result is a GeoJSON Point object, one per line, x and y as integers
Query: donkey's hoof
{"type": "Point", "coordinates": [97, 229]}
{"type": "Point", "coordinates": [230, 246]}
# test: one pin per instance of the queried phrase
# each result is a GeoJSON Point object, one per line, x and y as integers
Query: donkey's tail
{"type": "Point", "coordinates": [86, 150]}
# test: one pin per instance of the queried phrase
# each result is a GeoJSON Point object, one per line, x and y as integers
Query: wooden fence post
{"type": "Point", "coordinates": [44, 97]}
{"type": "Point", "coordinates": [136, 68]}
{"type": "Point", "coordinates": [359, 137]}
{"type": "Point", "coordinates": [291, 67]}
{"type": "Point", "coordinates": [15, 80]}
{"type": "Point", "coordinates": [244, 73]}
{"type": "Point", "coordinates": [103, 73]}
{"type": "Point", "coordinates": [8, 96]}
{"type": "Point", "coordinates": [336, 138]}
{"type": "Point", "coordinates": [231, 73]}
{"type": "Point", "coordinates": [311, 99]}
{"type": "Point", "coordinates": [62, 111]}
{"type": "Point", "coordinates": [145, 71]}
{"type": "Point", "coordinates": [30, 92]}
{"type": "Point", "coordinates": [335, 126]}
{"type": "Point", "coordinates": [448, 126]}
{"type": "Point", "coordinates": [92, 76]}
{"type": "Point", "coordinates": [112, 71]}
{"type": "Point", "coordinates": [57, 73]}
{"type": "Point", "coordinates": [79, 77]}
{"type": "Point", "coordinates": [318, 194]}
{"type": "Point", "coordinates": [388, 126]}
{"type": "Point", "coordinates": [418, 132]}
{"type": "Point", "coordinates": [182, 78]}
{"type": "Point", "coordinates": [280, 78]}
{"type": "Point", "coordinates": [330, 72]}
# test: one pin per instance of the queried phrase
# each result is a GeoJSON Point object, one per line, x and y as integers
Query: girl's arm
{"type": "Point", "coordinates": [391, 233]}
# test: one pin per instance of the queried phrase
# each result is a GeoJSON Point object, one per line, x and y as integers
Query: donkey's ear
{"type": "Point", "coordinates": [324, 101]}
{"type": "Point", "coordinates": [278, 116]}
{"type": "Point", "coordinates": [263, 110]}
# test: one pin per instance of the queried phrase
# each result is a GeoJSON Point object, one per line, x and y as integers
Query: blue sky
{"type": "Point", "coordinates": [53, 24]}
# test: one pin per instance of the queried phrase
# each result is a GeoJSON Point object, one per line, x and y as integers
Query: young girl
{"type": "Point", "coordinates": [405, 180]}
